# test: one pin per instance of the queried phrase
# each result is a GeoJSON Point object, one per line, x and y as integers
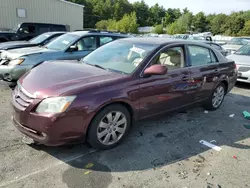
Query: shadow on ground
{"type": "Point", "coordinates": [159, 142]}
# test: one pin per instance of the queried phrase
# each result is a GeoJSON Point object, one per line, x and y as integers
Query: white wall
{"type": "Point", "coordinates": [44, 11]}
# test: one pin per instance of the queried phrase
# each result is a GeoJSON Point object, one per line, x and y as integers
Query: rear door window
{"type": "Point", "coordinates": [200, 55]}
{"type": "Point", "coordinates": [87, 43]}
{"type": "Point", "coordinates": [105, 39]}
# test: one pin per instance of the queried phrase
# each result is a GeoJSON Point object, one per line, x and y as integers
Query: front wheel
{"type": "Point", "coordinates": [217, 97]}
{"type": "Point", "coordinates": [109, 127]}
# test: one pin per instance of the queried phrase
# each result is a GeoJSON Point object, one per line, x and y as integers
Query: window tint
{"type": "Point", "coordinates": [199, 55]}
{"type": "Point", "coordinates": [173, 58]}
{"type": "Point", "coordinates": [104, 40]}
{"type": "Point", "coordinates": [213, 57]}
{"type": "Point", "coordinates": [43, 29]}
{"type": "Point", "coordinates": [86, 43]}
{"type": "Point", "coordinates": [28, 29]}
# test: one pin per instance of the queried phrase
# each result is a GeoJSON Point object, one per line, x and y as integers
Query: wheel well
{"type": "Point", "coordinates": [226, 84]}
{"type": "Point", "coordinates": [126, 105]}
{"type": "Point", "coordinates": [3, 40]}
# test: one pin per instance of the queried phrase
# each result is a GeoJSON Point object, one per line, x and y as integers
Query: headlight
{"type": "Point", "coordinates": [16, 62]}
{"type": "Point", "coordinates": [55, 104]}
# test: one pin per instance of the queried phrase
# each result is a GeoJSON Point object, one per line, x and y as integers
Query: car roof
{"type": "Point", "coordinates": [54, 32]}
{"type": "Point", "coordinates": [82, 33]}
{"type": "Point", "coordinates": [163, 41]}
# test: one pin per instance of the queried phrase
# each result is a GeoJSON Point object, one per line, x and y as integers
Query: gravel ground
{"type": "Point", "coordinates": [162, 152]}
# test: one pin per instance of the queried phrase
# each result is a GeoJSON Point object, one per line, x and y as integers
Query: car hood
{"type": "Point", "coordinates": [231, 47]}
{"type": "Point", "coordinates": [7, 45]}
{"type": "Point", "coordinates": [64, 77]}
{"type": "Point", "coordinates": [16, 53]}
{"type": "Point", "coordinates": [240, 59]}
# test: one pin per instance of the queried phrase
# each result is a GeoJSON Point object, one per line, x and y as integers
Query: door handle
{"type": "Point", "coordinates": [216, 70]}
{"type": "Point", "coordinates": [185, 78]}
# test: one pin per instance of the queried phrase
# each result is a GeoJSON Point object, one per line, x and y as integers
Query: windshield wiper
{"type": "Point", "coordinates": [98, 66]}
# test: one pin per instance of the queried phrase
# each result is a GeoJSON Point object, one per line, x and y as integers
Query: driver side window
{"type": "Point", "coordinates": [172, 57]}
{"type": "Point", "coordinates": [86, 43]}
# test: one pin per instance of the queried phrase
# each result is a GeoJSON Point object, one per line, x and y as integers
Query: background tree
{"type": "Point", "coordinates": [142, 13]}
{"type": "Point", "coordinates": [172, 15]}
{"type": "Point", "coordinates": [157, 14]}
{"type": "Point", "coordinates": [158, 29]}
{"type": "Point", "coordinates": [176, 21]}
{"type": "Point", "coordinates": [246, 30]}
{"type": "Point", "coordinates": [200, 22]}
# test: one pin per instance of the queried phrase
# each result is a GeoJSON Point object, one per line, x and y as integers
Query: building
{"type": "Point", "coordinates": [14, 12]}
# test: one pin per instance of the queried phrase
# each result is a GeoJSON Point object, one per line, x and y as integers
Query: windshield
{"type": "Point", "coordinates": [62, 42]}
{"type": "Point", "coordinates": [244, 50]}
{"type": "Point", "coordinates": [239, 41]}
{"type": "Point", "coordinates": [120, 56]}
{"type": "Point", "coordinates": [40, 38]}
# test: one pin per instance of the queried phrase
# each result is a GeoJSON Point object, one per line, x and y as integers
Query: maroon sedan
{"type": "Point", "coordinates": [97, 98]}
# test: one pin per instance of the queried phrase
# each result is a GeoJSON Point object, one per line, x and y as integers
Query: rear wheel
{"type": "Point", "coordinates": [109, 127]}
{"type": "Point", "coordinates": [217, 97]}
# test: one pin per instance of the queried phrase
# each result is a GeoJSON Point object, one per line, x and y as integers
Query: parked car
{"type": "Point", "coordinates": [40, 40]}
{"type": "Point", "coordinates": [235, 43]}
{"type": "Point", "coordinates": [70, 46]}
{"type": "Point", "coordinates": [242, 60]}
{"type": "Point", "coordinates": [97, 98]}
{"type": "Point", "coordinates": [27, 31]}
{"type": "Point", "coordinates": [200, 38]}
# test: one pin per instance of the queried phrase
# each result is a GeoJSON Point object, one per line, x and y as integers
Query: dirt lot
{"type": "Point", "coordinates": [162, 153]}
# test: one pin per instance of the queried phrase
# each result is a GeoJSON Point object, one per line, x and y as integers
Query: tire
{"type": "Point", "coordinates": [210, 102]}
{"type": "Point", "coordinates": [104, 127]}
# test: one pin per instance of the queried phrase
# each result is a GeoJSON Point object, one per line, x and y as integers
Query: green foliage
{"type": "Point", "coordinates": [157, 14]}
{"type": "Point", "coordinates": [127, 24]}
{"type": "Point", "coordinates": [200, 22]}
{"type": "Point", "coordinates": [142, 13]}
{"type": "Point", "coordinates": [114, 14]}
{"type": "Point", "coordinates": [246, 30]}
{"type": "Point", "coordinates": [172, 15]}
{"type": "Point", "coordinates": [158, 29]}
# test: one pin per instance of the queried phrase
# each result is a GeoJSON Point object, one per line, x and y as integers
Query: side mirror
{"type": "Point", "coordinates": [156, 70]}
{"type": "Point", "coordinates": [73, 48]}
{"type": "Point", "coordinates": [21, 30]}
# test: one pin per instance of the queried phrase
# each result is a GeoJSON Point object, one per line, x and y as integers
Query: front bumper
{"type": "Point", "coordinates": [12, 73]}
{"type": "Point", "coordinates": [47, 129]}
{"type": "Point", "coordinates": [243, 73]}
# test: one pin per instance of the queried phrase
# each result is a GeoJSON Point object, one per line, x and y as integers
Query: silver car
{"type": "Point", "coordinates": [236, 43]}
{"type": "Point", "coordinates": [242, 60]}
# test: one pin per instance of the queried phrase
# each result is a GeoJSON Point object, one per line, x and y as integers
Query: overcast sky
{"type": "Point", "coordinates": [207, 6]}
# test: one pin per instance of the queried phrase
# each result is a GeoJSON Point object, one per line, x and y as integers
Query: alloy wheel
{"type": "Point", "coordinates": [111, 128]}
{"type": "Point", "coordinates": [218, 96]}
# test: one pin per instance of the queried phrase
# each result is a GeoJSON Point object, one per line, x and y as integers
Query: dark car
{"type": "Point", "coordinates": [28, 30]}
{"type": "Point", "coordinates": [70, 46]}
{"type": "Point", "coordinates": [129, 79]}
{"type": "Point", "coordinates": [40, 40]}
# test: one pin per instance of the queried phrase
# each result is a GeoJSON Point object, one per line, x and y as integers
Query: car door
{"type": "Point", "coordinates": [203, 69]}
{"type": "Point", "coordinates": [84, 46]}
{"type": "Point", "coordinates": [162, 93]}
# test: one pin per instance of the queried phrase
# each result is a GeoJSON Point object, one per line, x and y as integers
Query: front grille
{"type": "Point", "coordinates": [244, 69]}
{"type": "Point", "coordinates": [22, 97]}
